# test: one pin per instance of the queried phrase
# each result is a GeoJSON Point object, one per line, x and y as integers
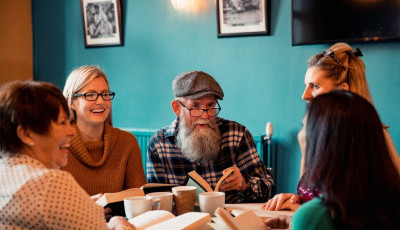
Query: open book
{"type": "Point", "coordinates": [116, 200]}
{"type": "Point", "coordinates": [237, 209]}
{"type": "Point", "coordinates": [194, 179]}
{"type": "Point", "coordinates": [157, 187]}
{"type": "Point", "coordinates": [247, 220]}
{"type": "Point", "coordinates": [161, 219]}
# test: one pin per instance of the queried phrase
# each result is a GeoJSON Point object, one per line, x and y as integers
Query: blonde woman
{"type": "Point", "coordinates": [340, 67]}
{"type": "Point", "coordinates": [102, 158]}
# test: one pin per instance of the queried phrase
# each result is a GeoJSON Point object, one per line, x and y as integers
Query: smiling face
{"type": "Point", "coordinates": [92, 113]}
{"type": "Point", "coordinates": [52, 149]}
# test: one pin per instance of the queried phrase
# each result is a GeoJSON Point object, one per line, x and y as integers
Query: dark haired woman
{"type": "Point", "coordinates": [348, 160]}
{"type": "Point", "coordinates": [34, 136]}
{"type": "Point", "coordinates": [337, 68]}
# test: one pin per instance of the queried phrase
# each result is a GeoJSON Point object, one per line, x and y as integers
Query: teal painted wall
{"type": "Point", "coordinates": [262, 76]}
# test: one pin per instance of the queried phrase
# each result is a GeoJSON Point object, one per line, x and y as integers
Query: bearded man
{"type": "Point", "coordinates": [199, 140]}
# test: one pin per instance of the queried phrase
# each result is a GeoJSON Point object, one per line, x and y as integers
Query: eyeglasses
{"type": "Point", "coordinates": [332, 55]}
{"type": "Point", "coordinates": [199, 112]}
{"type": "Point", "coordinates": [93, 96]}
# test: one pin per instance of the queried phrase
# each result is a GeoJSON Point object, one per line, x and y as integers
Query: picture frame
{"type": "Point", "coordinates": [243, 17]}
{"type": "Point", "coordinates": [102, 23]}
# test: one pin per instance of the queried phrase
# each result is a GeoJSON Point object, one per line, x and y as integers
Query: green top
{"type": "Point", "coordinates": [312, 215]}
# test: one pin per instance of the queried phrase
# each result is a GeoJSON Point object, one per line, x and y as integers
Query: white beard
{"type": "Point", "coordinates": [199, 145]}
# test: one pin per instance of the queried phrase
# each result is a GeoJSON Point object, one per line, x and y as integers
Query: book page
{"type": "Point", "coordinates": [119, 196]}
{"type": "Point", "coordinates": [222, 179]}
{"type": "Point", "coordinates": [250, 221]}
{"type": "Point", "coordinates": [224, 221]}
{"type": "Point", "coordinates": [150, 218]}
{"type": "Point", "coordinates": [247, 220]}
{"type": "Point", "coordinates": [237, 209]}
{"type": "Point", "coordinates": [199, 181]}
{"type": "Point", "coordinates": [199, 188]}
{"type": "Point", "coordinates": [244, 206]}
{"type": "Point", "coordinates": [187, 221]}
{"type": "Point", "coordinates": [194, 179]}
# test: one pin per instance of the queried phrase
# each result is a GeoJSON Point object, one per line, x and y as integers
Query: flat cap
{"type": "Point", "coordinates": [196, 84]}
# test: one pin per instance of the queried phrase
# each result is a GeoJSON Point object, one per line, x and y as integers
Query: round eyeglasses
{"type": "Point", "coordinates": [93, 96]}
{"type": "Point", "coordinates": [199, 112]}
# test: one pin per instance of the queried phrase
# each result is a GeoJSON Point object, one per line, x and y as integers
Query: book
{"type": "Point", "coordinates": [115, 200]}
{"type": "Point", "coordinates": [157, 187]}
{"type": "Point", "coordinates": [161, 219]}
{"type": "Point", "coordinates": [247, 220]}
{"type": "Point", "coordinates": [194, 179]}
{"type": "Point", "coordinates": [237, 209]}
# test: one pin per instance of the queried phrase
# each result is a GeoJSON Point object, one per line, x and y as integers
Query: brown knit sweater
{"type": "Point", "coordinates": [111, 165]}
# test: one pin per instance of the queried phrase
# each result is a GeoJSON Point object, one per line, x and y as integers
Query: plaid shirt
{"type": "Point", "coordinates": [166, 164]}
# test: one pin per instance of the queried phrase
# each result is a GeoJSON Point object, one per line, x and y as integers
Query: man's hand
{"type": "Point", "coordinates": [280, 222]}
{"type": "Point", "coordinates": [120, 223]}
{"type": "Point", "coordinates": [235, 181]}
{"type": "Point", "coordinates": [282, 201]}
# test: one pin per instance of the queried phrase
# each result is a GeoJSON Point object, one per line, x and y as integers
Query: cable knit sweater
{"type": "Point", "coordinates": [111, 165]}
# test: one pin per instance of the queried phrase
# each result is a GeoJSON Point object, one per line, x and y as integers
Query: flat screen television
{"type": "Point", "coordinates": [330, 21]}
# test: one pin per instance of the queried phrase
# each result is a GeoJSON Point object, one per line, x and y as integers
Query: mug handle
{"type": "Point", "coordinates": [156, 204]}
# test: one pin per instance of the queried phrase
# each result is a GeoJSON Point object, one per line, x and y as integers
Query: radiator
{"type": "Point", "coordinates": [143, 138]}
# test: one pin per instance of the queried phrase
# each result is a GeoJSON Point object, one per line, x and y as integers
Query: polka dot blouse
{"type": "Point", "coordinates": [34, 197]}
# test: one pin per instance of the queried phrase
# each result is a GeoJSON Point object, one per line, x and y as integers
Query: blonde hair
{"type": "Point", "coordinates": [78, 79]}
{"type": "Point", "coordinates": [346, 68]}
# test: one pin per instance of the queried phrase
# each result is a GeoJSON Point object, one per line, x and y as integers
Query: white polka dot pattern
{"type": "Point", "coordinates": [34, 197]}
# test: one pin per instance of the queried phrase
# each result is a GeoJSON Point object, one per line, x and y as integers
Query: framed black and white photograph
{"type": "Point", "coordinates": [102, 23]}
{"type": "Point", "coordinates": [243, 17]}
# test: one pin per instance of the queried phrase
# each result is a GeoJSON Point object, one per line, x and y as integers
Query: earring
{"type": "Point", "coordinates": [31, 143]}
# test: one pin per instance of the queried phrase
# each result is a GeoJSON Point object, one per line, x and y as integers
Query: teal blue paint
{"type": "Point", "coordinates": [262, 76]}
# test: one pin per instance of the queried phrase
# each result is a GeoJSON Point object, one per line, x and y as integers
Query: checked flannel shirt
{"type": "Point", "coordinates": [166, 164]}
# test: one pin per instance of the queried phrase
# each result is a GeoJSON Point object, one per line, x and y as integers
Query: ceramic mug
{"type": "Point", "coordinates": [137, 205]}
{"type": "Point", "coordinates": [165, 198]}
{"type": "Point", "coordinates": [210, 201]}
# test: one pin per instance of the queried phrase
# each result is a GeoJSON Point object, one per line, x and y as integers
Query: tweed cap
{"type": "Point", "coordinates": [196, 84]}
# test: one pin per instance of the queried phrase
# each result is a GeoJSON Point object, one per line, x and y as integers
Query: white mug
{"type": "Point", "coordinates": [165, 198]}
{"type": "Point", "coordinates": [210, 201]}
{"type": "Point", "coordinates": [136, 205]}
